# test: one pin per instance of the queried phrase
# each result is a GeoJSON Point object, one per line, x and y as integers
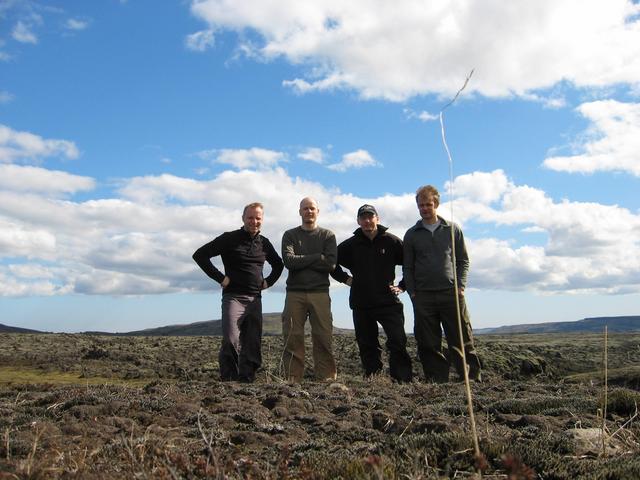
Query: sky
{"type": "Point", "coordinates": [132, 132]}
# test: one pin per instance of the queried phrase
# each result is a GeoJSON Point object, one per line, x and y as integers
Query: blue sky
{"type": "Point", "coordinates": [132, 132]}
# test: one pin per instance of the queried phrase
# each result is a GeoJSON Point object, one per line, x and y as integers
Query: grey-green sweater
{"type": "Point", "coordinates": [309, 255]}
{"type": "Point", "coordinates": [427, 264]}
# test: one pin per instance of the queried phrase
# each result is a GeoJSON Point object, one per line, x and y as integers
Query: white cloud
{"type": "Point", "coordinates": [485, 187]}
{"type": "Point", "coordinates": [76, 24]}
{"type": "Point", "coordinates": [11, 286]}
{"type": "Point", "coordinates": [156, 189]}
{"type": "Point", "coordinates": [612, 142]}
{"type": "Point", "coordinates": [23, 33]}
{"type": "Point", "coordinates": [423, 116]}
{"type": "Point", "coordinates": [330, 82]}
{"type": "Point", "coordinates": [224, 194]}
{"type": "Point", "coordinates": [397, 50]}
{"type": "Point", "coordinates": [98, 282]}
{"type": "Point", "coordinates": [358, 159]}
{"type": "Point", "coordinates": [585, 250]}
{"type": "Point", "coordinates": [500, 264]}
{"type": "Point", "coordinates": [200, 41]}
{"type": "Point", "coordinates": [312, 154]}
{"type": "Point", "coordinates": [552, 102]}
{"type": "Point", "coordinates": [207, 154]}
{"type": "Point", "coordinates": [142, 243]}
{"type": "Point", "coordinates": [250, 158]}
{"type": "Point", "coordinates": [36, 179]}
{"type": "Point", "coordinates": [16, 145]}
{"type": "Point", "coordinates": [139, 241]}
{"type": "Point", "coordinates": [18, 239]}
{"type": "Point", "coordinates": [5, 97]}
{"type": "Point", "coordinates": [30, 270]}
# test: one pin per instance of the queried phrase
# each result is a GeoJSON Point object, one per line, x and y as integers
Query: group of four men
{"type": "Point", "coordinates": [432, 252]}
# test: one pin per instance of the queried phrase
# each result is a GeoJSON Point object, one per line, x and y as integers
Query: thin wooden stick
{"type": "Point", "coordinates": [472, 419]}
{"type": "Point", "coordinates": [605, 360]}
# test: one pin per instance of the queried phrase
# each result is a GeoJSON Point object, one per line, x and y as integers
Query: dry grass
{"type": "Point", "coordinates": [29, 376]}
{"type": "Point", "coordinates": [94, 416]}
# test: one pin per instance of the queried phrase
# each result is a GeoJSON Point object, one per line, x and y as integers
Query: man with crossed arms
{"type": "Point", "coordinates": [309, 253]}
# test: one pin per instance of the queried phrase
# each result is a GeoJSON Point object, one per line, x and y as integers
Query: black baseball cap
{"type": "Point", "coordinates": [366, 208]}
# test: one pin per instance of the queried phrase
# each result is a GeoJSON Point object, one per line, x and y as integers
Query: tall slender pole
{"type": "Point", "coordinates": [467, 383]}
{"type": "Point", "coordinates": [605, 361]}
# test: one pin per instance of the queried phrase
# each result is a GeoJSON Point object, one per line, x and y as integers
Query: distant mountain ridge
{"type": "Point", "coordinates": [10, 329]}
{"type": "Point", "coordinates": [273, 326]}
{"type": "Point", "coordinates": [586, 325]}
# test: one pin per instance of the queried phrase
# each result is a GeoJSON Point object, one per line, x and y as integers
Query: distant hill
{"type": "Point", "coordinates": [9, 329]}
{"type": "Point", "coordinates": [586, 325]}
{"type": "Point", "coordinates": [272, 325]}
{"type": "Point", "coordinates": [209, 327]}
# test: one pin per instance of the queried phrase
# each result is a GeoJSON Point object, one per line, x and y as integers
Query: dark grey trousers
{"type": "Point", "coordinates": [241, 351]}
{"type": "Point", "coordinates": [434, 312]}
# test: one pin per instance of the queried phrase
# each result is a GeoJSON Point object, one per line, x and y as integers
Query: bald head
{"type": "Point", "coordinates": [309, 213]}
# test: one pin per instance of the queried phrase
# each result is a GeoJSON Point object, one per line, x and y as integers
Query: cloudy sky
{"type": "Point", "coordinates": [132, 132]}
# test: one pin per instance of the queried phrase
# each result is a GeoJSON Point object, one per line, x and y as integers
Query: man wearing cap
{"type": "Point", "coordinates": [429, 275]}
{"type": "Point", "coordinates": [309, 253]}
{"type": "Point", "coordinates": [371, 255]}
{"type": "Point", "coordinates": [243, 253]}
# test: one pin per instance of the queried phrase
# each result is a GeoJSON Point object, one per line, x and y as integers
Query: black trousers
{"type": "Point", "coordinates": [391, 317]}
{"type": "Point", "coordinates": [434, 312]}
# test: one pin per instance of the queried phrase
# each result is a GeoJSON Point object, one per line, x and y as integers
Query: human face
{"type": "Point", "coordinates": [252, 220]}
{"type": "Point", "coordinates": [309, 211]}
{"type": "Point", "coordinates": [368, 223]}
{"type": "Point", "coordinates": [427, 205]}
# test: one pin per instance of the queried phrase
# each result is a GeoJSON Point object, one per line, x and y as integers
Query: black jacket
{"type": "Point", "coordinates": [243, 257]}
{"type": "Point", "coordinates": [372, 265]}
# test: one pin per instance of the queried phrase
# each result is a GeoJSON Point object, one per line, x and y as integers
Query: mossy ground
{"type": "Point", "coordinates": [151, 407]}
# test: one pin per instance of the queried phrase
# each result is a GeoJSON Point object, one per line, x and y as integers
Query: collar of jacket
{"type": "Point", "coordinates": [359, 233]}
{"type": "Point", "coordinates": [443, 222]}
{"type": "Point", "coordinates": [248, 235]}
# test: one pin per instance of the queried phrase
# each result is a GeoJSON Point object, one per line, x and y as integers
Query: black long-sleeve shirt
{"type": "Point", "coordinates": [243, 257]}
{"type": "Point", "coordinates": [372, 264]}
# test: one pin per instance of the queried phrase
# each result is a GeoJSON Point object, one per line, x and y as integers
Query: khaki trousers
{"type": "Point", "coordinates": [316, 306]}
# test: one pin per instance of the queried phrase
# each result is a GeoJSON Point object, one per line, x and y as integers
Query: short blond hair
{"type": "Point", "coordinates": [252, 205]}
{"type": "Point", "coordinates": [427, 190]}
